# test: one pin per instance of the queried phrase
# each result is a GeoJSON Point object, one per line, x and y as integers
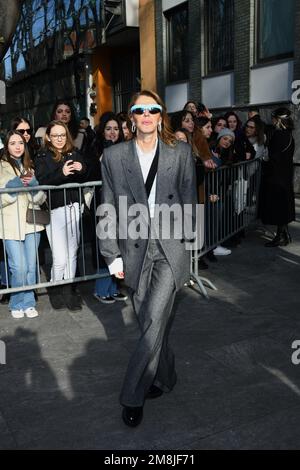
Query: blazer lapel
{"type": "Point", "coordinates": [165, 172]}
{"type": "Point", "coordinates": [134, 174]}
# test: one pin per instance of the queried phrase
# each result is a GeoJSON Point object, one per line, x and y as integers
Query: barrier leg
{"type": "Point", "coordinates": [201, 283]}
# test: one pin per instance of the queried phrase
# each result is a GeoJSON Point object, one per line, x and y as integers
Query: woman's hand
{"type": "Point", "coordinates": [120, 275]}
{"type": "Point", "coordinates": [210, 164]}
{"type": "Point", "coordinates": [214, 198]}
{"type": "Point", "coordinates": [68, 168]}
{"type": "Point", "coordinates": [27, 177]}
{"type": "Point", "coordinates": [77, 166]}
{"type": "Point", "coordinates": [26, 180]}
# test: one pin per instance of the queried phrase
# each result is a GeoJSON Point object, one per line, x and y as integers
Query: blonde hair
{"type": "Point", "coordinates": [166, 134]}
{"type": "Point", "coordinates": [69, 146]}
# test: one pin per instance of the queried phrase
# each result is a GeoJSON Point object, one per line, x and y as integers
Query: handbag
{"type": "Point", "coordinates": [38, 216]}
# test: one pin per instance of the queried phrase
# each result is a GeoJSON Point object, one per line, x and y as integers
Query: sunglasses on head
{"type": "Point", "coordinates": [22, 131]}
{"type": "Point", "coordinates": [141, 108]}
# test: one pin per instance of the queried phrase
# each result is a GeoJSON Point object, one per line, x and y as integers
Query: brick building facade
{"type": "Point", "coordinates": [266, 83]}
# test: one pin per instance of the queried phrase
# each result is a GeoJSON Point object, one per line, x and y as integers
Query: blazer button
{"type": "Point", "coordinates": [137, 245]}
{"type": "Point", "coordinates": [170, 196]}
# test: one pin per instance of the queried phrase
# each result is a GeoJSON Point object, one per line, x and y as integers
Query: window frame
{"type": "Point", "coordinates": [274, 58]}
{"type": "Point", "coordinates": [224, 70]}
{"type": "Point", "coordinates": [168, 14]}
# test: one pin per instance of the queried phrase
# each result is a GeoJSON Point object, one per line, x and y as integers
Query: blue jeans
{"type": "Point", "coordinates": [21, 257]}
{"type": "Point", "coordinates": [107, 286]}
{"type": "Point", "coordinates": [3, 274]}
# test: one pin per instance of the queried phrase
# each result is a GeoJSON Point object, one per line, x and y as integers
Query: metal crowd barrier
{"type": "Point", "coordinates": [88, 256]}
{"type": "Point", "coordinates": [231, 197]}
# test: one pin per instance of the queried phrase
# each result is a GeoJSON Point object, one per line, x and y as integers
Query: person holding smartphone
{"type": "Point", "coordinates": [20, 239]}
{"type": "Point", "coordinates": [59, 163]}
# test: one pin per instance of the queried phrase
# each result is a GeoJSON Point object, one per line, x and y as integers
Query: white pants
{"type": "Point", "coordinates": [64, 236]}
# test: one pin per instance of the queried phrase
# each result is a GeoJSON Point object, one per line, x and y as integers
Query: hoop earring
{"type": "Point", "coordinates": [133, 128]}
{"type": "Point", "coordinates": [159, 127]}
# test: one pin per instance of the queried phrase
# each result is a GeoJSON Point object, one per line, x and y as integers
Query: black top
{"type": "Point", "coordinates": [50, 172]}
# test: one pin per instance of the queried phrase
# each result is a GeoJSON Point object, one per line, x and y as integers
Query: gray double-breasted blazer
{"type": "Point", "coordinates": [124, 187]}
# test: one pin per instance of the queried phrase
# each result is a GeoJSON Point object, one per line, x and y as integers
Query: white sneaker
{"type": "Point", "coordinates": [221, 251]}
{"type": "Point", "coordinates": [17, 313]}
{"type": "Point", "coordinates": [31, 312]}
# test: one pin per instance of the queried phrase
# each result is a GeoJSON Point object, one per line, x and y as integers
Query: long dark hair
{"type": "Point", "coordinates": [73, 125]}
{"type": "Point", "coordinates": [259, 129]}
{"type": "Point", "coordinates": [202, 121]}
{"type": "Point", "coordinates": [99, 142]}
{"type": "Point", "coordinates": [26, 160]}
{"type": "Point", "coordinates": [239, 122]}
{"type": "Point", "coordinates": [104, 119]}
{"type": "Point", "coordinates": [177, 118]}
{"type": "Point", "coordinates": [17, 121]}
{"type": "Point", "coordinates": [166, 134]}
{"type": "Point", "coordinates": [32, 144]}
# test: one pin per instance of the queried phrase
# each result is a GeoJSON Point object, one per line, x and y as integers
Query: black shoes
{"type": "Point", "coordinates": [120, 297]}
{"type": "Point", "coordinates": [105, 300]}
{"type": "Point", "coordinates": [132, 416]}
{"type": "Point", "coordinates": [277, 241]}
{"type": "Point", "coordinates": [110, 299]}
{"type": "Point", "coordinates": [282, 238]}
{"type": "Point", "coordinates": [62, 297]}
{"type": "Point", "coordinates": [56, 298]}
{"type": "Point", "coordinates": [72, 298]}
{"type": "Point", "coordinates": [154, 392]}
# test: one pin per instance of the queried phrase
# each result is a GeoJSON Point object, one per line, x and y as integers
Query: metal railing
{"type": "Point", "coordinates": [231, 197]}
{"type": "Point", "coordinates": [88, 255]}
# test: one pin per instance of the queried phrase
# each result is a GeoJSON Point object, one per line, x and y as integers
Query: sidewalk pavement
{"type": "Point", "coordinates": [237, 386]}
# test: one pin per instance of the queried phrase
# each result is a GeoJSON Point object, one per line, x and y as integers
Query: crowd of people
{"type": "Point", "coordinates": [68, 151]}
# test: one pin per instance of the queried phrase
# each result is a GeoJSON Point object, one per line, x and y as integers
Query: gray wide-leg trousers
{"type": "Point", "coordinates": [152, 362]}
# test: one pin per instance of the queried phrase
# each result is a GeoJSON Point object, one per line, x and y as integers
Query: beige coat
{"type": "Point", "coordinates": [13, 208]}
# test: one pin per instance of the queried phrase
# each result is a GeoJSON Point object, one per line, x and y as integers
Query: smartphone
{"type": "Point", "coordinates": [25, 174]}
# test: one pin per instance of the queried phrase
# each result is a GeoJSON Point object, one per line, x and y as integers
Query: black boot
{"type": "Point", "coordinates": [287, 235]}
{"type": "Point", "coordinates": [56, 298]}
{"type": "Point", "coordinates": [280, 238]}
{"type": "Point", "coordinates": [72, 299]}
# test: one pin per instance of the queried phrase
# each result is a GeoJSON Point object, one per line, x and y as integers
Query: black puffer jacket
{"type": "Point", "coordinates": [50, 172]}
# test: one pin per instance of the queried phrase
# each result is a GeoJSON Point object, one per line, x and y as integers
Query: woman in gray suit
{"type": "Point", "coordinates": [143, 178]}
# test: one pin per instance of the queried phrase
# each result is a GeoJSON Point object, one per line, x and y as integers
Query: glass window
{"type": "Point", "coordinates": [275, 29]}
{"type": "Point", "coordinates": [219, 35]}
{"type": "Point", "coordinates": [177, 30]}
